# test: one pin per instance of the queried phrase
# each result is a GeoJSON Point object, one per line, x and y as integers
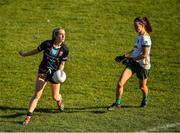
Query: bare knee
{"type": "Point", "coordinates": [143, 87]}
{"type": "Point", "coordinates": [56, 97]}
{"type": "Point", "coordinates": [120, 84]}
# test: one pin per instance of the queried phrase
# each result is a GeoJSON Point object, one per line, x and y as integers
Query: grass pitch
{"type": "Point", "coordinates": [97, 31]}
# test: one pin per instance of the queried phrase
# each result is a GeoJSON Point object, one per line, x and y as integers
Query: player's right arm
{"type": "Point", "coordinates": [123, 57]}
{"type": "Point", "coordinates": [128, 55]}
{"type": "Point", "coordinates": [34, 51]}
{"type": "Point", "coordinates": [28, 53]}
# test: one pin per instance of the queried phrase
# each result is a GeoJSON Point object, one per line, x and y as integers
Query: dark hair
{"type": "Point", "coordinates": [55, 32]}
{"type": "Point", "coordinates": [144, 21]}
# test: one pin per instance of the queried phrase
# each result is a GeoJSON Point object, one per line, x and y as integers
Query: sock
{"type": "Point", "coordinates": [29, 114]}
{"type": "Point", "coordinates": [145, 97]}
{"type": "Point", "coordinates": [118, 101]}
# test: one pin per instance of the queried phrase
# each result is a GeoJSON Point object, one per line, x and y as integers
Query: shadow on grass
{"type": "Point", "coordinates": [6, 108]}
{"type": "Point", "coordinates": [129, 106]}
{"type": "Point", "coordinates": [12, 115]}
{"type": "Point", "coordinates": [95, 110]}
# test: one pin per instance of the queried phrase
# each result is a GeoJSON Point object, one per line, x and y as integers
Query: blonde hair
{"type": "Point", "coordinates": [55, 32]}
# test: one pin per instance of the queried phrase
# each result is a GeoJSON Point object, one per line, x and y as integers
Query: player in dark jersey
{"type": "Point", "coordinates": [52, 58]}
{"type": "Point", "coordinates": [55, 53]}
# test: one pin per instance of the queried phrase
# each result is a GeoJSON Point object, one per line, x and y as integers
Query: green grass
{"type": "Point", "coordinates": [97, 31]}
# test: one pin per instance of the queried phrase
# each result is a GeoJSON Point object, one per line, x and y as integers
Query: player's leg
{"type": "Point", "coordinates": [144, 89]}
{"type": "Point", "coordinates": [57, 96]}
{"type": "Point", "coordinates": [40, 84]}
{"type": "Point", "coordinates": [127, 73]}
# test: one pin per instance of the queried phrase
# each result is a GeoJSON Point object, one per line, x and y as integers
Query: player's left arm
{"type": "Point", "coordinates": [61, 66]}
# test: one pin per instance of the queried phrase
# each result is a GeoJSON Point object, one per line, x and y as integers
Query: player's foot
{"type": "Point", "coordinates": [26, 120]}
{"type": "Point", "coordinates": [114, 106]}
{"type": "Point", "coordinates": [144, 103]}
{"type": "Point", "coordinates": [60, 105]}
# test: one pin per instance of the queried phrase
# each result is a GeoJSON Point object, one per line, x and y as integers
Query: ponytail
{"type": "Point", "coordinates": [147, 24]}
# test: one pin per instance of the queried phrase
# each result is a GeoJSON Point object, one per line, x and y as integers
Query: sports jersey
{"type": "Point", "coordinates": [140, 42]}
{"type": "Point", "coordinates": [52, 56]}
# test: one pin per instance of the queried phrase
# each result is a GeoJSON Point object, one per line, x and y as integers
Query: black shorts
{"type": "Point", "coordinates": [136, 68]}
{"type": "Point", "coordinates": [46, 76]}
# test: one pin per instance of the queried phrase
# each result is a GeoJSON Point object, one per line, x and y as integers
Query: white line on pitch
{"type": "Point", "coordinates": [158, 128]}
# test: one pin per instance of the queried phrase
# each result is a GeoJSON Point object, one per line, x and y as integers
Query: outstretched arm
{"type": "Point", "coordinates": [29, 53]}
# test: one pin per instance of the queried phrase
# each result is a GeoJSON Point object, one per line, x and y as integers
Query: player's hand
{"type": "Point", "coordinates": [119, 58]}
{"type": "Point", "coordinates": [132, 60]}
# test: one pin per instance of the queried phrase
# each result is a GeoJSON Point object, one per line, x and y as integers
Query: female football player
{"type": "Point", "coordinates": [55, 53]}
{"type": "Point", "coordinates": [136, 61]}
